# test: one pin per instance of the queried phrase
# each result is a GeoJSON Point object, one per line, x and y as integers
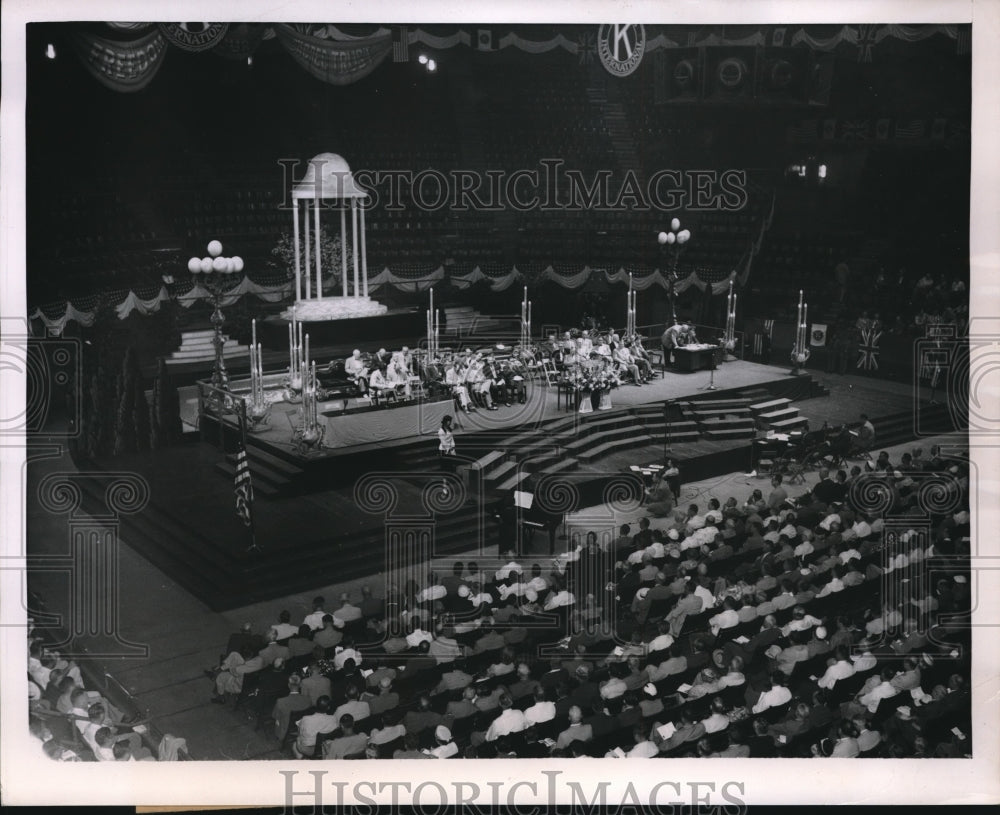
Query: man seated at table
{"type": "Point", "coordinates": [356, 370]}
{"type": "Point", "coordinates": [379, 384]}
{"type": "Point", "coordinates": [398, 374]}
{"type": "Point", "coordinates": [688, 336]}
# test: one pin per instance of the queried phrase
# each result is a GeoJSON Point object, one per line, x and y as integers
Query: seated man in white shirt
{"type": "Point", "coordinates": [379, 385]}
{"type": "Point", "coordinates": [455, 380]}
{"type": "Point", "coordinates": [356, 370]}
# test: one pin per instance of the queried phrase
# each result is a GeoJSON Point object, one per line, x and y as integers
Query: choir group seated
{"type": "Point", "coordinates": [782, 626]}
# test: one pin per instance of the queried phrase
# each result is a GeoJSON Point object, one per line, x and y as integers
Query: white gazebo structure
{"type": "Point", "coordinates": [328, 186]}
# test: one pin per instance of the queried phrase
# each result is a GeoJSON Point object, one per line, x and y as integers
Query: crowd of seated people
{"type": "Point", "coordinates": [72, 722]}
{"type": "Point", "coordinates": [757, 629]}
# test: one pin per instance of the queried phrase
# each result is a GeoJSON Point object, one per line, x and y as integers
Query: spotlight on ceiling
{"type": "Point", "coordinates": [422, 59]}
{"type": "Point", "coordinates": [50, 51]}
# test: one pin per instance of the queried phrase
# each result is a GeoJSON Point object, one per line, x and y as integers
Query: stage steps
{"type": "Point", "coordinates": [778, 414]}
{"type": "Point", "coordinates": [633, 440]}
{"type": "Point", "coordinates": [197, 346]}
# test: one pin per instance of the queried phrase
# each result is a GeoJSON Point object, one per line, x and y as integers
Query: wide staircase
{"type": "Point", "coordinates": [197, 346]}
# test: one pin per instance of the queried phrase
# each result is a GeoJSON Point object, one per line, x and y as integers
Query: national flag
{"type": "Point", "coordinates": [243, 483]}
{"type": "Point", "coordinates": [401, 45]}
{"type": "Point", "coordinates": [868, 350]}
{"type": "Point", "coordinates": [769, 328]}
{"type": "Point", "coordinates": [913, 129]}
{"type": "Point", "coordinates": [817, 337]}
{"type": "Point", "coordinates": [761, 346]}
{"type": "Point", "coordinates": [855, 130]}
{"type": "Point", "coordinates": [829, 128]}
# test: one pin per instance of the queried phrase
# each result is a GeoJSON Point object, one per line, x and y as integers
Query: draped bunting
{"type": "Point", "coordinates": [122, 66]}
{"type": "Point", "coordinates": [241, 40]}
{"type": "Point", "coordinates": [339, 62]}
{"type": "Point", "coordinates": [440, 43]}
{"type": "Point", "coordinates": [535, 47]}
{"type": "Point", "coordinates": [405, 283]}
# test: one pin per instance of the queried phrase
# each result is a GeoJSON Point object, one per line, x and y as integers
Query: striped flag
{"type": "Point", "coordinates": [769, 328]}
{"type": "Point", "coordinates": [868, 350]}
{"type": "Point", "coordinates": [242, 482]}
{"type": "Point", "coordinates": [913, 129]}
{"type": "Point", "coordinates": [401, 46]}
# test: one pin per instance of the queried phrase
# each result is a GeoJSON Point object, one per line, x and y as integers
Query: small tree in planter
{"type": "Point", "coordinates": [330, 257]}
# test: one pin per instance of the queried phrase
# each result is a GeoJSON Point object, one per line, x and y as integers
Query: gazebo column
{"type": "Point", "coordinates": [319, 254]}
{"type": "Point", "coordinates": [308, 258]}
{"type": "Point", "coordinates": [364, 253]}
{"type": "Point", "coordinates": [343, 246]}
{"type": "Point", "coordinates": [354, 243]}
{"type": "Point", "coordinates": [295, 240]}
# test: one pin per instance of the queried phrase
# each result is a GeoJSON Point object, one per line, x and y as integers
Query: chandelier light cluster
{"type": "Point", "coordinates": [215, 262]}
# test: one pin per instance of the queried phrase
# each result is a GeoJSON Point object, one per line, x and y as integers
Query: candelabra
{"type": "Point", "coordinates": [433, 329]}
{"type": "Point", "coordinates": [308, 436]}
{"type": "Point", "coordinates": [216, 273]}
{"type": "Point", "coordinates": [800, 351]}
{"type": "Point", "coordinates": [257, 407]}
{"type": "Point", "coordinates": [296, 357]}
{"type": "Point", "coordinates": [525, 320]}
{"type": "Point", "coordinates": [729, 338]}
{"type": "Point", "coordinates": [630, 307]}
{"type": "Point", "coordinates": [675, 238]}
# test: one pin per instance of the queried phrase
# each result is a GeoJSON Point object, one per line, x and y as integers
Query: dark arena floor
{"type": "Point", "coordinates": [468, 390]}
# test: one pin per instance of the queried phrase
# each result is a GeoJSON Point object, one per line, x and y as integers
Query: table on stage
{"type": "Point", "coordinates": [695, 357]}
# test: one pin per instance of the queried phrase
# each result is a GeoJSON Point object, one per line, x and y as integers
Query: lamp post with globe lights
{"type": "Point", "coordinates": [215, 273]}
{"type": "Point", "coordinates": [674, 239]}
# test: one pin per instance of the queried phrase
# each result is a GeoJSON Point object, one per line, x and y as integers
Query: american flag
{"type": "Point", "coordinates": [769, 328]}
{"type": "Point", "coordinates": [868, 350]}
{"type": "Point", "coordinates": [914, 129]}
{"type": "Point", "coordinates": [401, 46]}
{"type": "Point", "coordinates": [242, 482]}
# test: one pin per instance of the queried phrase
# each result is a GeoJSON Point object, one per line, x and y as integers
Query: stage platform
{"type": "Point", "coordinates": [330, 515]}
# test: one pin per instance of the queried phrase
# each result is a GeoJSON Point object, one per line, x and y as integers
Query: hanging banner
{"type": "Point", "coordinates": [126, 67]}
{"type": "Point", "coordinates": [334, 61]}
{"type": "Point", "coordinates": [817, 337]}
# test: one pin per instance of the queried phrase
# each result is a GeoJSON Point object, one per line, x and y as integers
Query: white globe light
{"type": "Point", "coordinates": [206, 265]}
{"type": "Point", "coordinates": [431, 65]}
{"type": "Point", "coordinates": [229, 266]}
{"type": "Point", "coordinates": [675, 224]}
{"type": "Point", "coordinates": [683, 235]}
{"type": "Point", "coordinates": [237, 264]}
{"type": "Point", "coordinates": [194, 265]}
{"type": "Point", "coordinates": [662, 238]}
{"type": "Point", "coordinates": [214, 248]}
{"type": "Point", "coordinates": [671, 237]}
{"type": "Point", "coordinates": [219, 264]}
{"type": "Point", "coordinates": [422, 59]}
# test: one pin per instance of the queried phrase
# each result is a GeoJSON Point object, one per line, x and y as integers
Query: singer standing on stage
{"type": "Point", "coordinates": [446, 446]}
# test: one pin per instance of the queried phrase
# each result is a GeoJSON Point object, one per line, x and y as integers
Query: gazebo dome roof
{"type": "Point", "coordinates": [327, 176]}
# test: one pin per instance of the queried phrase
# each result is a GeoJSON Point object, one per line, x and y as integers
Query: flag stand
{"type": "Point", "coordinates": [242, 468]}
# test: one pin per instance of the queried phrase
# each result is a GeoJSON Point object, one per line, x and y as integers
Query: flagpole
{"type": "Point", "coordinates": [253, 547]}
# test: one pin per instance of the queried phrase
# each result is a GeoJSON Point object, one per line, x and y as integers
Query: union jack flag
{"type": "Point", "coordinates": [855, 130]}
{"type": "Point", "coordinates": [868, 350]}
{"type": "Point", "coordinates": [913, 129]}
{"type": "Point", "coordinates": [243, 484]}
